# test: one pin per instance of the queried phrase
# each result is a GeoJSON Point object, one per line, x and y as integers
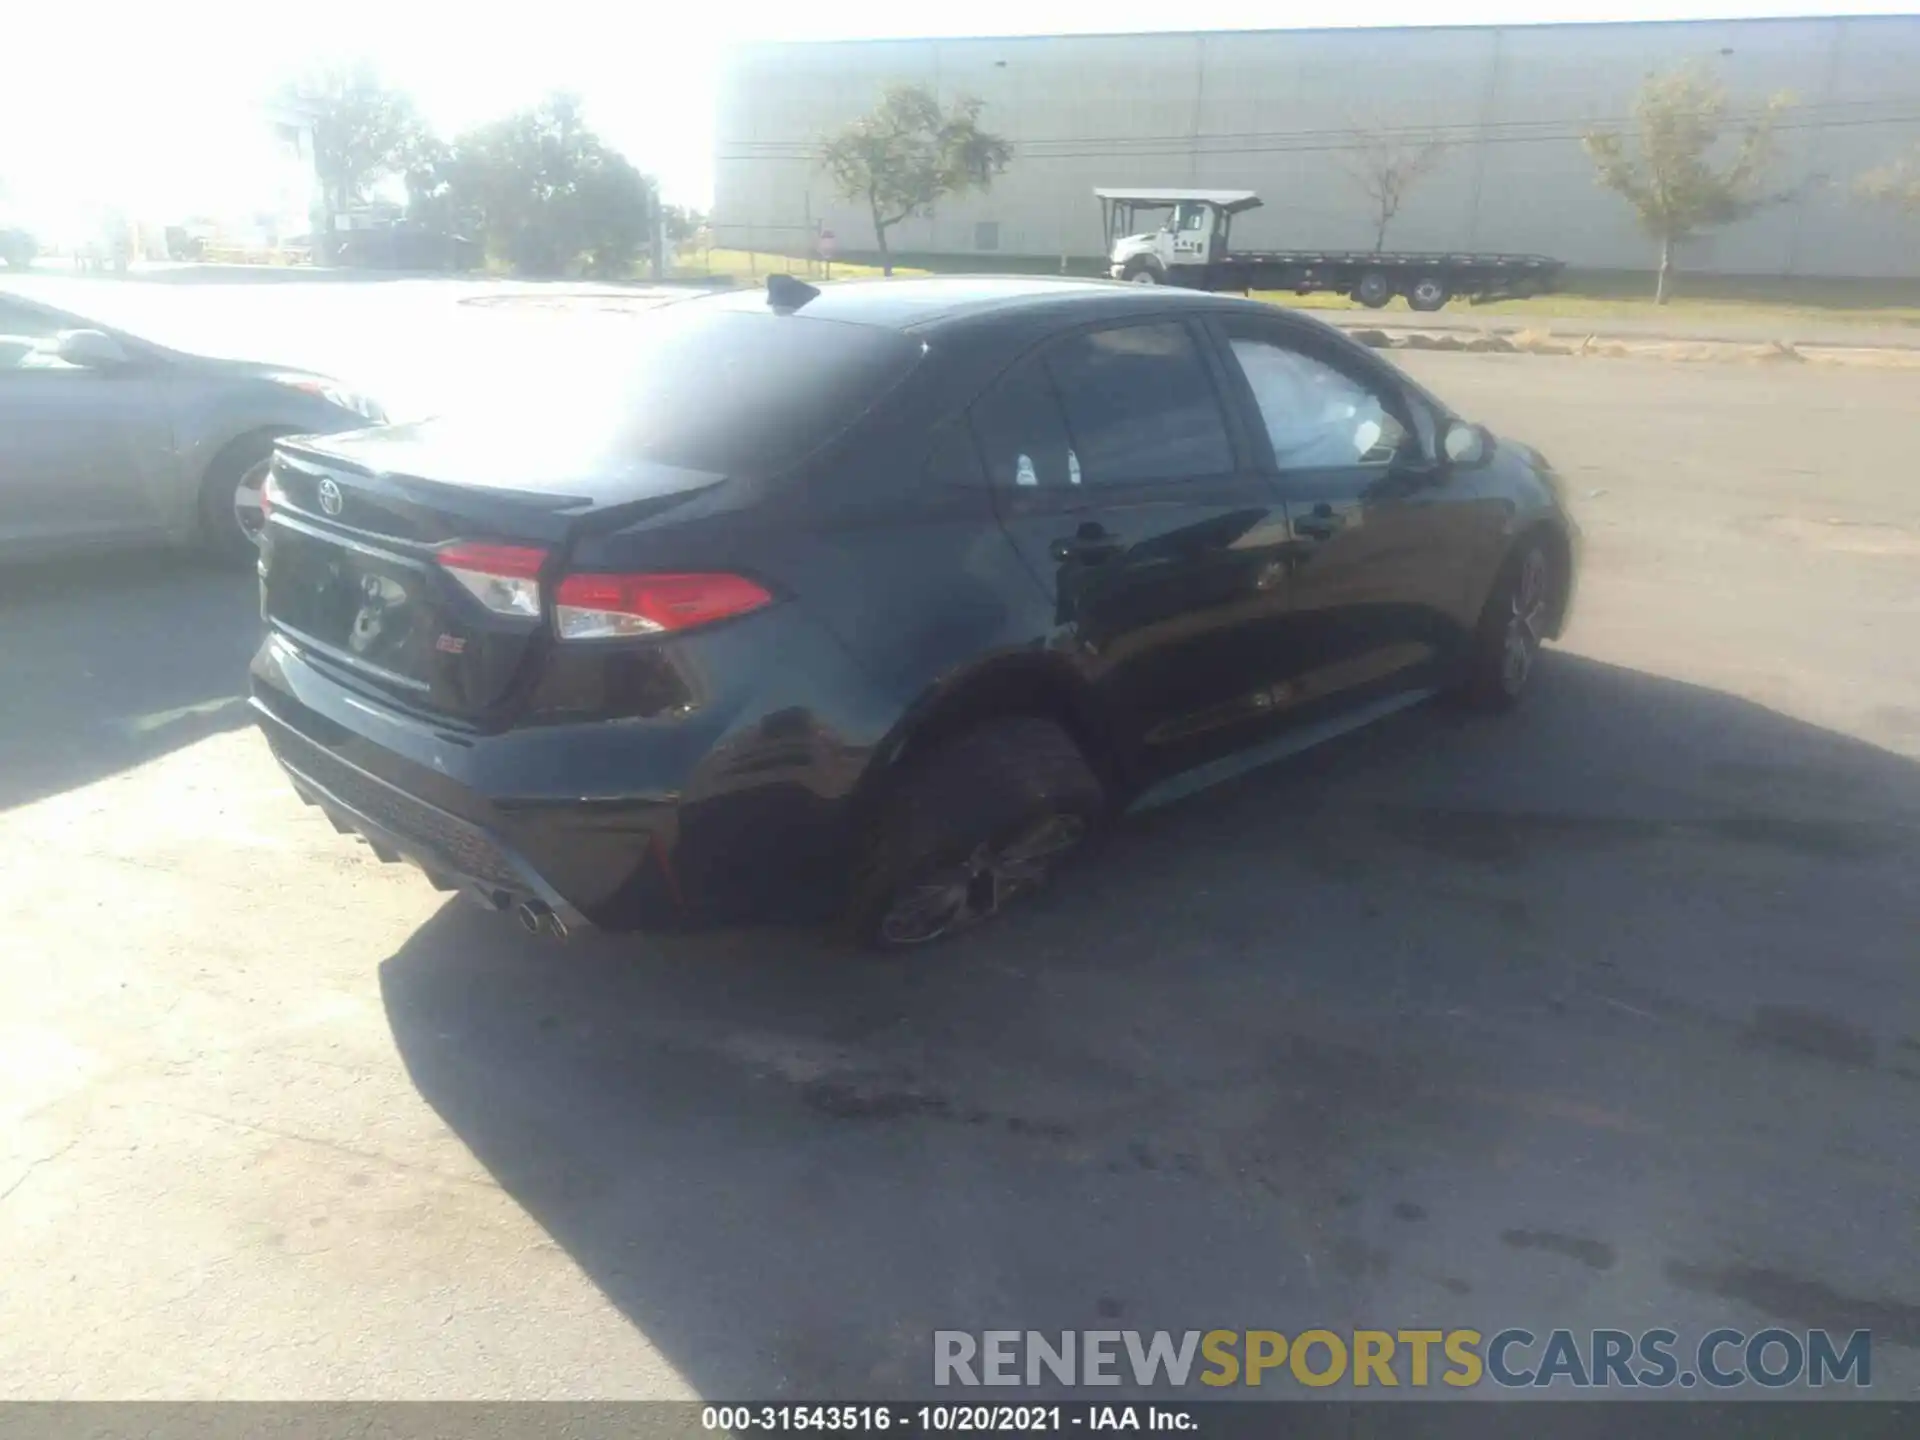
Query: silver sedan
{"type": "Point", "coordinates": [108, 439]}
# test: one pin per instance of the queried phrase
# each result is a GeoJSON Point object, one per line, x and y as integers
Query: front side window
{"type": "Point", "coordinates": [1139, 406]}
{"type": "Point", "coordinates": [1317, 417]}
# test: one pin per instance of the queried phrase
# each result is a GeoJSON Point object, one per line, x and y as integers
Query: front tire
{"type": "Point", "coordinates": [972, 826]}
{"type": "Point", "coordinates": [1506, 642]}
{"type": "Point", "coordinates": [1142, 272]}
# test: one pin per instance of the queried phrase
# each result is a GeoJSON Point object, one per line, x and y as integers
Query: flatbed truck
{"type": "Point", "coordinates": [1191, 248]}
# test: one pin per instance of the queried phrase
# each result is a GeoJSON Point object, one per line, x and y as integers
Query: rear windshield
{"type": "Point", "coordinates": [697, 386]}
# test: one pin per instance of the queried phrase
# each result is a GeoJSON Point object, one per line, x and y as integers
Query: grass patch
{"type": "Point", "coordinates": [1626, 294]}
{"type": "Point", "coordinates": [746, 265]}
{"type": "Point", "coordinates": [1589, 295]}
{"type": "Point", "coordinates": [1573, 305]}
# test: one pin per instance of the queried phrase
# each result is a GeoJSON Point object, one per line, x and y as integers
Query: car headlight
{"type": "Point", "coordinates": [334, 394]}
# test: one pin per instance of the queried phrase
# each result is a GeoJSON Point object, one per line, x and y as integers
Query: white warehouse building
{"type": "Point", "coordinates": [1277, 111]}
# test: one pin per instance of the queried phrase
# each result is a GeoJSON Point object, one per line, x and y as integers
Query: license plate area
{"type": "Point", "coordinates": [395, 618]}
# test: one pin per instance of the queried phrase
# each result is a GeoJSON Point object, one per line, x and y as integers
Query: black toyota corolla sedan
{"type": "Point", "coordinates": [877, 601]}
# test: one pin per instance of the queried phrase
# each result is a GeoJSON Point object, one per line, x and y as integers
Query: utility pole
{"type": "Point", "coordinates": [659, 234]}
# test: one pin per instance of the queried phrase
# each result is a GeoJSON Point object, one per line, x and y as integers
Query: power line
{"type": "Point", "coordinates": [1458, 132]}
{"type": "Point", "coordinates": [1301, 142]}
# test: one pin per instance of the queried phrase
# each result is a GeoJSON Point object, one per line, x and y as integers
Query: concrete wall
{"type": "Point", "coordinates": [1273, 111]}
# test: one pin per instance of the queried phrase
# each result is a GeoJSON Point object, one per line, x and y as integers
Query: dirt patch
{"type": "Point", "coordinates": [1594, 1254]}
{"type": "Point", "coordinates": [1506, 838]}
{"type": "Point", "coordinates": [1811, 1303]}
{"type": "Point", "coordinates": [1810, 1033]}
{"type": "Point", "coordinates": [1846, 537]}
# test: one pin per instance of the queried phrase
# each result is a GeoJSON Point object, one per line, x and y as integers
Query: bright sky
{"type": "Point", "coordinates": [156, 107]}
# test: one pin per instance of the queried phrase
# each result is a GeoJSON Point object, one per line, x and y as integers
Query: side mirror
{"type": "Point", "coordinates": [93, 349]}
{"type": "Point", "coordinates": [1466, 446]}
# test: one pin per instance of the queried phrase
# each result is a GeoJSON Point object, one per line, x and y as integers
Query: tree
{"type": "Point", "coordinates": [1679, 119]}
{"type": "Point", "coordinates": [1387, 166]}
{"type": "Point", "coordinates": [683, 222]}
{"type": "Point", "coordinates": [908, 153]}
{"type": "Point", "coordinates": [543, 191]}
{"type": "Point", "coordinates": [1896, 183]}
{"type": "Point", "coordinates": [428, 177]}
{"type": "Point", "coordinates": [362, 131]}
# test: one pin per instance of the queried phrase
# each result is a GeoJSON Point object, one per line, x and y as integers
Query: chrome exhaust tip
{"type": "Point", "coordinates": [537, 918]}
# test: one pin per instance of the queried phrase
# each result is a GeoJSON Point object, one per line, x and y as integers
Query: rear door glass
{"type": "Point", "coordinates": [1140, 407]}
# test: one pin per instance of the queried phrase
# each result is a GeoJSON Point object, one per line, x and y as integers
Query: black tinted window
{"type": "Point", "coordinates": [1140, 406]}
{"type": "Point", "coordinates": [1021, 434]}
{"type": "Point", "coordinates": [694, 386]}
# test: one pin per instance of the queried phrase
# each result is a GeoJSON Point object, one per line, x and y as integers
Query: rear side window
{"type": "Point", "coordinates": [1140, 406]}
{"type": "Point", "coordinates": [725, 392]}
{"type": "Point", "coordinates": [1021, 433]}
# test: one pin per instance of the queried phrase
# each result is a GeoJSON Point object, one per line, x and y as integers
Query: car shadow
{"type": "Point", "coordinates": [115, 660]}
{"type": "Point", "coordinates": [1456, 1021]}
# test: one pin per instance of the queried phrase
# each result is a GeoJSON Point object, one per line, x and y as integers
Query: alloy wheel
{"type": "Point", "coordinates": [963, 895]}
{"type": "Point", "coordinates": [1526, 622]}
{"type": "Point", "coordinates": [247, 514]}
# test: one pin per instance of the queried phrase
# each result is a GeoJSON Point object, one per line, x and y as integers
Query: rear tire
{"type": "Point", "coordinates": [1429, 293]}
{"type": "Point", "coordinates": [973, 825]}
{"type": "Point", "coordinates": [1506, 643]}
{"type": "Point", "coordinates": [230, 500]}
{"type": "Point", "coordinates": [1374, 290]}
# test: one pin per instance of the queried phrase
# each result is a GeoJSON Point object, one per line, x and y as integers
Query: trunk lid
{"type": "Point", "coordinates": [351, 561]}
{"type": "Point", "coordinates": [560, 434]}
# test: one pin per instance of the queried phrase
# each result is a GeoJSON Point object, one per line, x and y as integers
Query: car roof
{"type": "Point", "coordinates": [919, 304]}
{"type": "Point", "coordinates": [1232, 201]}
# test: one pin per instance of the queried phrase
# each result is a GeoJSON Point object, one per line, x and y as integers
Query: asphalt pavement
{"type": "Point", "coordinates": [1602, 1014]}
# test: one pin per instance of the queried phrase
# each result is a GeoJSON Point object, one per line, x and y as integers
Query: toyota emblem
{"type": "Point", "coordinates": [331, 499]}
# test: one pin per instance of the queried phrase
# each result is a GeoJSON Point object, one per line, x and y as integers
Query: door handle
{"type": "Point", "coordinates": [1090, 544]}
{"type": "Point", "coordinates": [1322, 522]}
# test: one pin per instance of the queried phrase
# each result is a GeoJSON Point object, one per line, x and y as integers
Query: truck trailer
{"type": "Point", "coordinates": [1191, 248]}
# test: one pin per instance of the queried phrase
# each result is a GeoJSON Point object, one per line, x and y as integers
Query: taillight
{"type": "Point", "coordinates": [504, 578]}
{"type": "Point", "coordinates": [606, 607]}
{"type": "Point", "coordinates": [271, 496]}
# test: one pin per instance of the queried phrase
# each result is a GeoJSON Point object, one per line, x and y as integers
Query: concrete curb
{"type": "Point", "coordinates": [1572, 329]}
{"type": "Point", "coordinates": [1535, 342]}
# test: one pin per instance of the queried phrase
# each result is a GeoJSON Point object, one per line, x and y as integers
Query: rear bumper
{"type": "Point", "coordinates": [625, 824]}
{"type": "Point", "coordinates": [509, 818]}
{"type": "Point", "coordinates": [455, 854]}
